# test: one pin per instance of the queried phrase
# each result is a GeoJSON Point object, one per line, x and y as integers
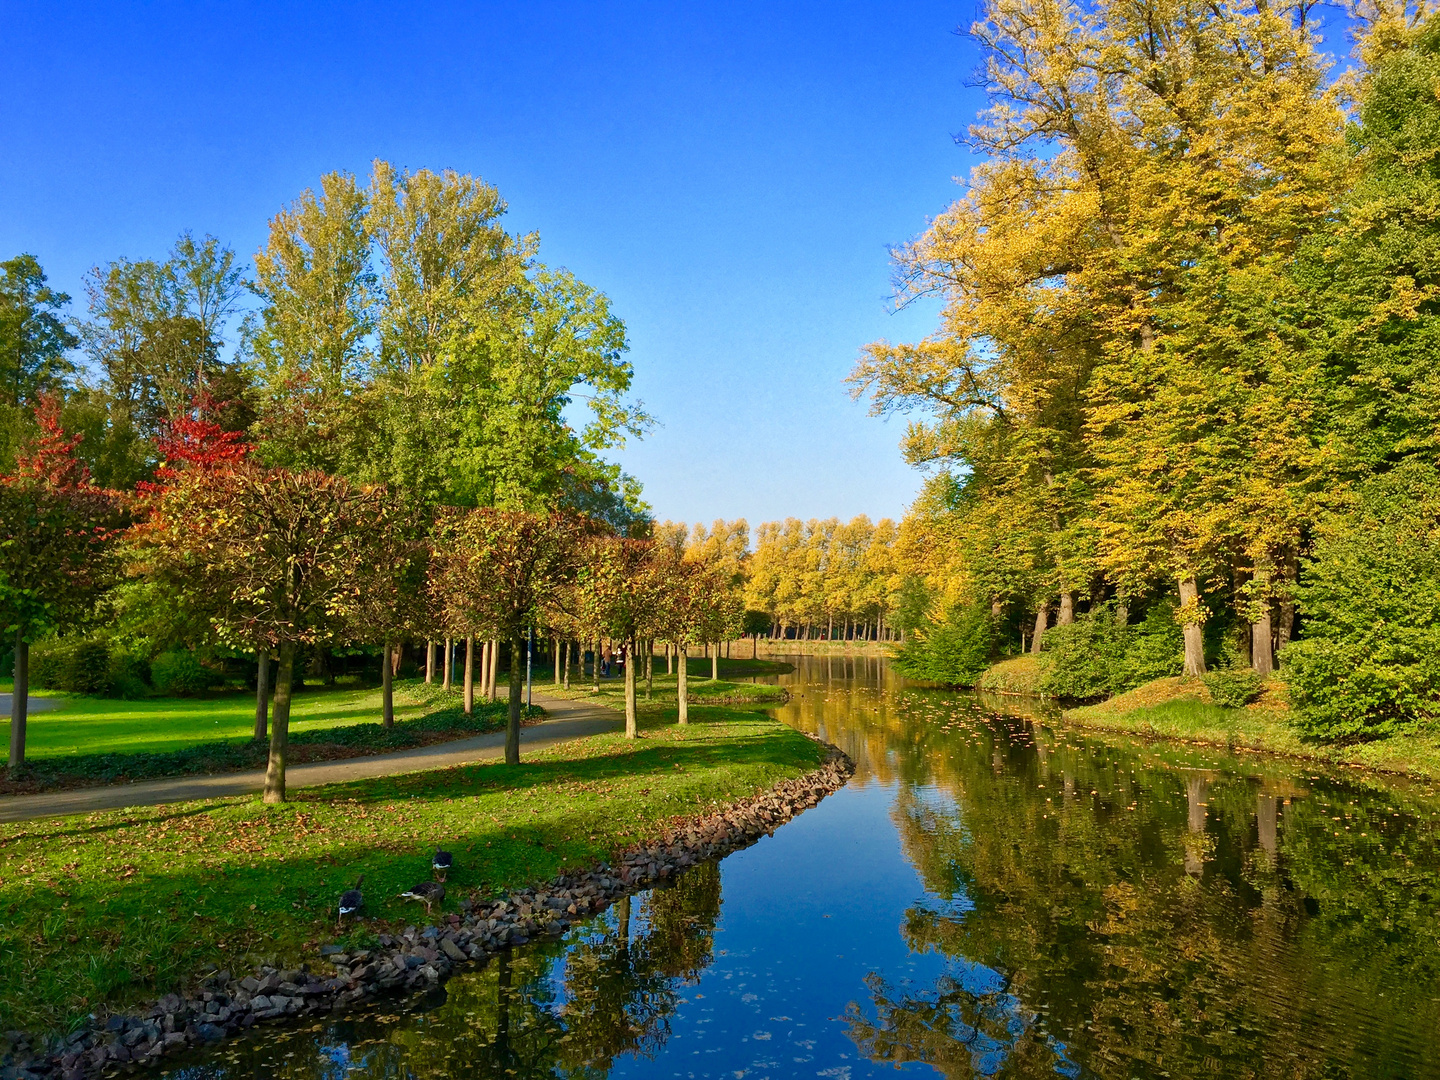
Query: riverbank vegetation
{"type": "Point", "coordinates": [1179, 411]}
{"type": "Point", "coordinates": [122, 906]}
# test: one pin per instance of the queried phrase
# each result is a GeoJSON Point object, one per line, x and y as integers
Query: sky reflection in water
{"type": "Point", "coordinates": [989, 897]}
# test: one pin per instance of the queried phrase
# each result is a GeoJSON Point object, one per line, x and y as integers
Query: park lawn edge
{"type": "Point", "coordinates": [1179, 709]}
{"type": "Point", "coordinates": [446, 723]}
{"type": "Point", "coordinates": [101, 911]}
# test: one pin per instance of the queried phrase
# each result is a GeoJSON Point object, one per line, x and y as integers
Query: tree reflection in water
{"type": "Point", "coordinates": [545, 1011]}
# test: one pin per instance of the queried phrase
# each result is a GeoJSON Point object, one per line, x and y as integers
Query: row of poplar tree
{"type": "Point", "coordinates": [1187, 355]}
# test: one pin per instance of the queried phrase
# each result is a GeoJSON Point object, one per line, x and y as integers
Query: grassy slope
{"type": "Point", "coordinates": [90, 725]}
{"type": "Point", "coordinates": [121, 906]}
{"type": "Point", "coordinates": [1180, 708]}
{"type": "Point", "coordinates": [1018, 675]}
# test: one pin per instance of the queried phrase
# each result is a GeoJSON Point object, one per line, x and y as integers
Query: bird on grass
{"type": "Point", "coordinates": [427, 892]}
{"type": "Point", "coordinates": [351, 901]}
{"type": "Point", "coordinates": [441, 864]}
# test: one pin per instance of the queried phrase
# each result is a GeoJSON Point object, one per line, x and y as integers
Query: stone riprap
{"type": "Point", "coordinates": [224, 1004]}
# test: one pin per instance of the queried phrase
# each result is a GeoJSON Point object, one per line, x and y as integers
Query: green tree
{"type": "Point", "coordinates": [33, 334]}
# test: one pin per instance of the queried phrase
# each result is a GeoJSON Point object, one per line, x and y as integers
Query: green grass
{"type": "Point", "coordinates": [700, 688]}
{"type": "Point", "coordinates": [122, 906]}
{"type": "Point", "coordinates": [1018, 675]}
{"type": "Point", "coordinates": [441, 718]}
{"type": "Point", "coordinates": [92, 725]}
{"type": "Point", "coordinates": [1180, 709]}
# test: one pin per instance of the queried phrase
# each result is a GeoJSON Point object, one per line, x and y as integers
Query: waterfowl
{"type": "Point", "coordinates": [351, 901]}
{"type": "Point", "coordinates": [427, 892]}
{"type": "Point", "coordinates": [441, 864]}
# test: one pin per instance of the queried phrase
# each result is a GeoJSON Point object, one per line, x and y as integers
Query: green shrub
{"type": "Point", "coordinates": [953, 652]}
{"type": "Point", "coordinates": [179, 674]}
{"type": "Point", "coordinates": [1154, 648]}
{"type": "Point", "coordinates": [1095, 656]}
{"type": "Point", "coordinates": [1085, 659]}
{"type": "Point", "coordinates": [1369, 664]}
{"type": "Point", "coordinates": [74, 665]}
{"type": "Point", "coordinates": [1234, 687]}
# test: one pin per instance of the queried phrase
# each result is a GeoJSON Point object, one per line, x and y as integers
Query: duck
{"type": "Point", "coordinates": [427, 892]}
{"type": "Point", "coordinates": [351, 901]}
{"type": "Point", "coordinates": [441, 864]}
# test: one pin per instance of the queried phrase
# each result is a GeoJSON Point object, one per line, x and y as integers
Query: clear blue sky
{"type": "Point", "coordinates": [729, 173]}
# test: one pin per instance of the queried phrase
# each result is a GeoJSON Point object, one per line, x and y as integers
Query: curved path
{"type": "Point", "coordinates": [567, 720]}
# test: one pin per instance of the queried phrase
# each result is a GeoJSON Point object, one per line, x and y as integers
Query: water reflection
{"type": "Point", "coordinates": [993, 896]}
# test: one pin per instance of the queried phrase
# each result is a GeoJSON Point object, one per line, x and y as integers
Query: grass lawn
{"type": "Point", "coordinates": [700, 688]}
{"type": "Point", "coordinates": [122, 906]}
{"type": "Point", "coordinates": [1180, 708]}
{"type": "Point", "coordinates": [93, 725]}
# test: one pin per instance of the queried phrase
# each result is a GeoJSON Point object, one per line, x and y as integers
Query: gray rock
{"type": "Point", "coordinates": [450, 949]}
{"type": "Point", "coordinates": [210, 1032]}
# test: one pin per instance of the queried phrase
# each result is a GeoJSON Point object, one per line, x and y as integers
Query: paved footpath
{"type": "Point", "coordinates": [567, 720]}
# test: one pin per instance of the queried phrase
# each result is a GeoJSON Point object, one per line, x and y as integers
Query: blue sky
{"type": "Point", "coordinates": [729, 173]}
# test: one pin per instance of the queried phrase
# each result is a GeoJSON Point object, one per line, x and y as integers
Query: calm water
{"type": "Point", "coordinates": [989, 897]}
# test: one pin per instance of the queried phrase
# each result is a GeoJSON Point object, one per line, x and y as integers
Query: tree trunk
{"type": "Point", "coordinates": [470, 676]}
{"type": "Point", "coordinates": [1122, 613]}
{"type": "Point", "coordinates": [555, 659]}
{"type": "Point", "coordinates": [669, 659]}
{"type": "Point", "coordinates": [445, 684]}
{"type": "Point", "coordinates": [681, 691]}
{"type": "Point", "coordinates": [565, 665]}
{"type": "Point", "coordinates": [397, 654]}
{"type": "Point", "coordinates": [630, 729]}
{"type": "Point", "coordinates": [1194, 634]}
{"type": "Point", "coordinates": [1262, 659]}
{"type": "Point", "coordinates": [262, 695]}
{"type": "Point", "coordinates": [517, 690]}
{"type": "Point", "coordinates": [715, 664]}
{"type": "Point", "coordinates": [1042, 617]}
{"type": "Point", "coordinates": [595, 670]}
{"type": "Point", "coordinates": [429, 661]}
{"type": "Point", "coordinates": [830, 629]}
{"type": "Point", "coordinates": [997, 609]}
{"type": "Point", "coordinates": [280, 725]}
{"type": "Point", "coordinates": [387, 687]}
{"type": "Point", "coordinates": [1067, 608]}
{"type": "Point", "coordinates": [490, 687]}
{"type": "Point", "coordinates": [19, 701]}
{"type": "Point", "coordinates": [1286, 627]}
{"type": "Point", "coordinates": [754, 646]}
{"type": "Point", "coordinates": [649, 669]}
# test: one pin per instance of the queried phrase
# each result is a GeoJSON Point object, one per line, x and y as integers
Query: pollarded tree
{"type": "Point", "coordinates": [503, 568]}
{"type": "Point", "coordinates": [278, 559]}
{"type": "Point", "coordinates": [57, 539]}
{"type": "Point", "coordinates": [392, 604]}
{"type": "Point", "coordinates": [619, 593]}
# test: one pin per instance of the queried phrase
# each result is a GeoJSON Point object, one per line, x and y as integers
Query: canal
{"type": "Point", "coordinates": [993, 895]}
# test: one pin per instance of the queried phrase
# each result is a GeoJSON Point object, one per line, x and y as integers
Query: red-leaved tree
{"type": "Point", "coordinates": [57, 544]}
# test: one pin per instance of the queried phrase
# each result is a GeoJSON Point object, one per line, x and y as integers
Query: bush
{"type": "Point", "coordinates": [1234, 687]}
{"type": "Point", "coordinates": [953, 652]}
{"type": "Point", "coordinates": [179, 674]}
{"type": "Point", "coordinates": [1085, 659]}
{"type": "Point", "coordinates": [1369, 664]}
{"type": "Point", "coordinates": [1095, 656]}
{"type": "Point", "coordinates": [1155, 647]}
{"type": "Point", "coordinates": [74, 665]}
